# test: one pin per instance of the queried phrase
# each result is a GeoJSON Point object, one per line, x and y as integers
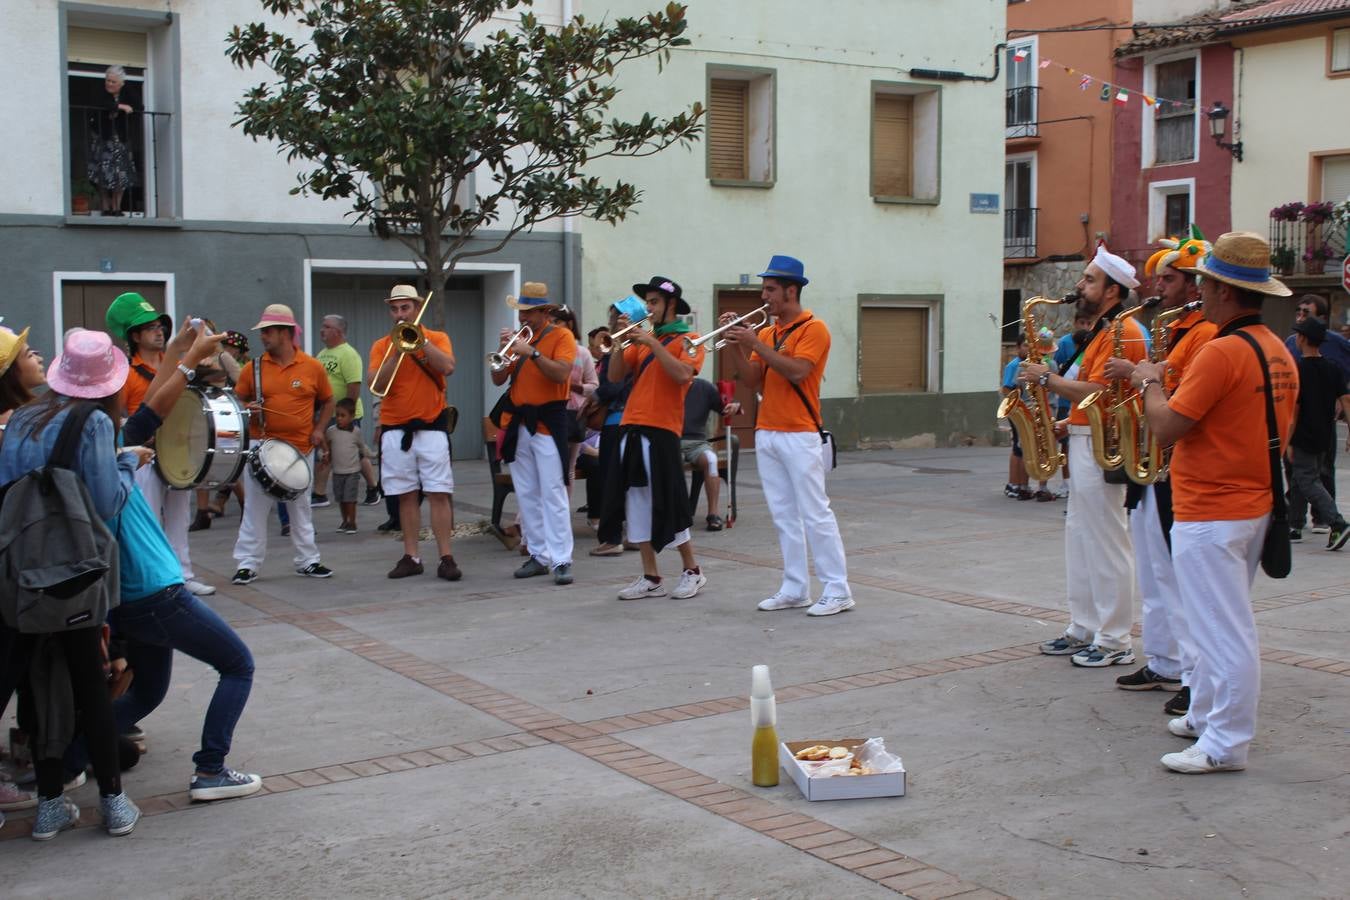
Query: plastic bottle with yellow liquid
{"type": "Point", "coordinates": [764, 717]}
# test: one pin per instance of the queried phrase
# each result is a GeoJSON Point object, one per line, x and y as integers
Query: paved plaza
{"type": "Point", "coordinates": [498, 738]}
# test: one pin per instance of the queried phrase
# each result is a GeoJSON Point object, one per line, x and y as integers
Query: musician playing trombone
{"type": "Point", "coordinates": [414, 431]}
{"type": "Point", "coordinates": [649, 479]}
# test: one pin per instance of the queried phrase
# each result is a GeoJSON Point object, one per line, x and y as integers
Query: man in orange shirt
{"type": "Point", "coordinates": [415, 436]}
{"type": "Point", "coordinates": [650, 473]}
{"type": "Point", "coordinates": [1169, 655]}
{"type": "Point", "coordinates": [786, 362]}
{"type": "Point", "coordinates": [1098, 561]}
{"type": "Point", "coordinates": [534, 425]}
{"type": "Point", "coordinates": [295, 407]}
{"type": "Point", "coordinates": [1222, 493]}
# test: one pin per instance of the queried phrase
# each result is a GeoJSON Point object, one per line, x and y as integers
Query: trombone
{"type": "Point", "coordinates": [499, 360]}
{"type": "Point", "coordinates": [760, 317]}
{"type": "Point", "coordinates": [617, 339]}
{"type": "Point", "coordinates": [404, 337]}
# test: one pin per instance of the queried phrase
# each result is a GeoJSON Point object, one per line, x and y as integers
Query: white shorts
{"type": "Point", "coordinates": [426, 465]}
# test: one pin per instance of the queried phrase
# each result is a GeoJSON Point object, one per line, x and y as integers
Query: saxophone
{"type": "Point", "coordinates": [1029, 409]}
{"type": "Point", "coordinates": [1145, 461]}
{"type": "Point", "coordinates": [1103, 406]}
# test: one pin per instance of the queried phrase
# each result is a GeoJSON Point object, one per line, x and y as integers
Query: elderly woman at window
{"type": "Point", "coordinates": [111, 169]}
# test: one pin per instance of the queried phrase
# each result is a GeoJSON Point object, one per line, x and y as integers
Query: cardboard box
{"type": "Point", "coordinates": [837, 787]}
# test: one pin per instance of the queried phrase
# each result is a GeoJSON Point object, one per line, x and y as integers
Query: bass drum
{"type": "Point", "coordinates": [280, 469]}
{"type": "Point", "coordinates": [203, 440]}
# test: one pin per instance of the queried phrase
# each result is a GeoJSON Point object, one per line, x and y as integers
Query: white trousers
{"type": "Point", "coordinates": [251, 547]}
{"type": "Point", "coordinates": [792, 472]}
{"type": "Point", "coordinates": [172, 508]}
{"type": "Point", "coordinates": [541, 495]}
{"type": "Point", "coordinates": [638, 501]}
{"type": "Point", "coordinates": [1098, 561]}
{"type": "Point", "coordinates": [1216, 564]}
{"type": "Point", "coordinates": [1167, 643]}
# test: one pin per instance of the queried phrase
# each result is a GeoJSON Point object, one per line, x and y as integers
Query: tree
{"type": "Point", "coordinates": [395, 105]}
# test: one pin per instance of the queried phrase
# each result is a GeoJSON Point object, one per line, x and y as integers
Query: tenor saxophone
{"type": "Point", "coordinates": [1103, 406]}
{"type": "Point", "coordinates": [1145, 461]}
{"type": "Point", "coordinates": [1029, 409]}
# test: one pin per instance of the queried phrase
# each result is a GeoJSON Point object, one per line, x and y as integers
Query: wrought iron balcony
{"type": "Point", "coordinates": [143, 136]}
{"type": "Point", "coordinates": [1022, 105]}
{"type": "Point", "coordinates": [1019, 233]}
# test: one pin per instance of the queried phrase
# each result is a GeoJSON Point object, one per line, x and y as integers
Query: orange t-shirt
{"type": "Point", "coordinates": [656, 400]}
{"type": "Point", "coordinates": [1199, 331]}
{"type": "Point", "coordinates": [133, 391]}
{"type": "Point", "coordinates": [291, 393]}
{"type": "Point", "coordinates": [412, 395]}
{"type": "Point", "coordinates": [1099, 350]}
{"type": "Point", "coordinates": [1221, 467]}
{"type": "Point", "coordinates": [532, 387]}
{"type": "Point", "coordinates": [781, 409]}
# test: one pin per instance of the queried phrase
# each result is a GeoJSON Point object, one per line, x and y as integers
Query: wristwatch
{"type": "Point", "coordinates": [1044, 379]}
{"type": "Point", "coordinates": [189, 374]}
{"type": "Point", "coordinates": [535, 355]}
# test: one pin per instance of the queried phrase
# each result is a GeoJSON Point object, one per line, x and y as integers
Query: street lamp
{"type": "Point", "coordinates": [1218, 124]}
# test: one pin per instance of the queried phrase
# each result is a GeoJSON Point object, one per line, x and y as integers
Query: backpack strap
{"type": "Point", "coordinates": [68, 439]}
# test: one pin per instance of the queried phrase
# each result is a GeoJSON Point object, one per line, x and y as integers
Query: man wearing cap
{"type": "Point", "coordinates": [649, 479]}
{"type": "Point", "coordinates": [415, 435]}
{"type": "Point", "coordinates": [1098, 560]}
{"type": "Point", "coordinates": [785, 362]}
{"type": "Point", "coordinates": [1321, 391]}
{"type": "Point", "coordinates": [145, 330]}
{"type": "Point", "coordinates": [295, 407]}
{"type": "Point", "coordinates": [1168, 652]}
{"type": "Point", "coordinates": [534, 422]}
{"type": "Point", "coordinates": [1222, 493]}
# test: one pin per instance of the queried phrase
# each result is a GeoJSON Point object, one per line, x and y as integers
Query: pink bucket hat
{"type": "Point", "coordinates": [89, 366]}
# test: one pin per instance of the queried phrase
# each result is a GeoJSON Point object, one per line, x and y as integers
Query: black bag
{"type": "Point", "coordinates": [1276, 556]}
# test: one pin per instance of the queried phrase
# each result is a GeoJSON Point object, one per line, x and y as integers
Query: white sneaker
{"type": "Point", "coordinates": [1194, 761]}
{"type": "Point", "coordinates": [200, 588]}
{"type": "Point", "coordinates": [828, 606]}
{"type": "Point", "coordinates": [690, 584]}
{"type": "Point", "coordinates": [1182, 728]}
{"type": "Point", "coordinates": [782, 601]}
{"type": "Point", "coordinates": [643, 587]}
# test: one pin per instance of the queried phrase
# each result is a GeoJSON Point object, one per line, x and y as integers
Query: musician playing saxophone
{"type": "Point", "coordinates": [1098, 562]}
{"type": "Point", "coordinates": [1169, 654]}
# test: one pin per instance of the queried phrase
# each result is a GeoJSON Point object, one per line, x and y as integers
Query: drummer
{"type": "Point", "coordinates": [295, 406]}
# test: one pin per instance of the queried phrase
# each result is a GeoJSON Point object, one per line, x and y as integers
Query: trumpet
{"type": "Point", "coordinates": [500, 359]}
{"type": "Point", "coordinates": [404, 338]}
{"type": "Point", "coordinates": [617, 339]}
{"type": "Point", "coordinates": [756, 318]}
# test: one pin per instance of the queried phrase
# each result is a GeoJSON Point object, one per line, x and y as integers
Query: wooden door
{"type": "Point", "coordinates": [84, 304]}
{"type": "Point", "coordinates": [740, 303]}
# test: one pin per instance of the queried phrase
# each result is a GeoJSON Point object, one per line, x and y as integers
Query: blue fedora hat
{"type": "Point", "coordinates": [787, 268]}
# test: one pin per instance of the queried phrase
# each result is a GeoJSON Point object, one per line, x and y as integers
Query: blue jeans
{"type": "Point", "coordinates": [175, 619]}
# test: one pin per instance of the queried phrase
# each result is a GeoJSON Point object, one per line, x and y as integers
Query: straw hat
{"type": "Point", "coordinates": [276, 314]}
{"type": "Point", "coordinates": [11, 347]}
{"type": "Point", "coordinates": [1242, 259]}
{"type": "Point", "coordinates": [403, 292]}
{"type": "Point", "coordinates": [533, 295]}
{"type": "Point", "coordinates": [89, 366]}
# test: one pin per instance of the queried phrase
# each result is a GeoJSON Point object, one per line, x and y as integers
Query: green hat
{"type": "Point", "coordinates": [131, 310]}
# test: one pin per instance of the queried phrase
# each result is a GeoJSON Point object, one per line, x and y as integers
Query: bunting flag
{"type": "Point", "coordinates": [1020, 54]}
{"type": "Point", "coordinates": [1045, 64]}
{"type": "Point", "coordinates": [1120, 95]}
{"type": "Point", "coordinates": [1105, 92]}
{"type": "Point", "coordinates": [1085, 83]}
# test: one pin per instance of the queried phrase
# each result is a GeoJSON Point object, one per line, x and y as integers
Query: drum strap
{"type": "Point", "coordinates": [257, 392]}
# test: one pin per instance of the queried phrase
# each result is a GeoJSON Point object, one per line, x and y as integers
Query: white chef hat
{"type": "Point", "coordinates": [1116, 267]}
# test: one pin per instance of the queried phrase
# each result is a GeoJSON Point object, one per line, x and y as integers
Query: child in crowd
{"type": "Point", "coordinates": [345, 450]}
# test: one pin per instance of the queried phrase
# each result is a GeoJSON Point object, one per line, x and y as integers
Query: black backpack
{"type": "Point", "coordinates": [58, 561]}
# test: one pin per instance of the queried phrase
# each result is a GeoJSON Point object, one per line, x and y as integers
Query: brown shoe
{"type": "Point", "coordinates": [201, 522]}
{"type": "Point", "coordinates": [406, 566]}
{"type": "Point", "coordinates": [607, 550]}
{"type": "Point", "coordinates": [448, 570]}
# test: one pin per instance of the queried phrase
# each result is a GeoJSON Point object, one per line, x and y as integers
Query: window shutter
{"type": "Point", "coordinates": [893, 358]}
{"type": "Point", "coordinates": [728, 103]}
{"type": "Point", "coordinates": [1336, 178]}
{"type": "Point", "coordinates": [892, 145]}
{"type": "Point", "coordinates": [1340, 50]}
{"type": "Point", "coordinates": [106, 48]}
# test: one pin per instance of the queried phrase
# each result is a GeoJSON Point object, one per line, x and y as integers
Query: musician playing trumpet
{"type": "Point", "coordinates": [414, 431]}
{"type": "Point", "coordinates": [1099, 564]}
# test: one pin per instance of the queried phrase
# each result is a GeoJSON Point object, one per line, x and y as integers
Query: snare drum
{"type": "Point", "coordinates": [282, 471]}
{"type": "Point", "coordinates": [203, 440]}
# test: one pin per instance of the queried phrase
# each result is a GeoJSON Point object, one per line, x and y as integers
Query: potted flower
{"type": "Point", "coordinates": [1288, 212]}
{"type": "Point", "coordinates": [82, 193]}
{"type": "Point", "coordinates": [1317, 213]}
{"type": "Point", "coordinates": [1316, 256]}
{"type": "Point", "coordinates": [1282, 258]}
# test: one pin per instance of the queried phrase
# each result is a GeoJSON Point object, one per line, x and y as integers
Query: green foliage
{"type": "Point", "coordinates": [396, 104]}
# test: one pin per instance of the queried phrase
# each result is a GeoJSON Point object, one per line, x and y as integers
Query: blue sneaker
{"type": "Point", "coordinates": [120, 815]}
{"type": "Point", "coordinates": [53, 817]}
{"type": "Point", "coordinates": [223, 785]}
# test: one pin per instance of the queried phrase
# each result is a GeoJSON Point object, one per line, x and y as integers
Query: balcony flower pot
{"type": "Point", "coordinates": [1283, 259]}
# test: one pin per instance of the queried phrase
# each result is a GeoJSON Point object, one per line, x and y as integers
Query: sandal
{"type": "Point", "coordinates": [715, 522]}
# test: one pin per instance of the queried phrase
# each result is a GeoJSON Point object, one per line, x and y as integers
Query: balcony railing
{"type": "Point", "coordinates": [144, 136]}
{"type": "Point", "coordinates": [1022, 104]}
{"type": "Point", "coordinates": [1289, 241]}
{"type": "Point", "coordinates": [1019, 233]}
